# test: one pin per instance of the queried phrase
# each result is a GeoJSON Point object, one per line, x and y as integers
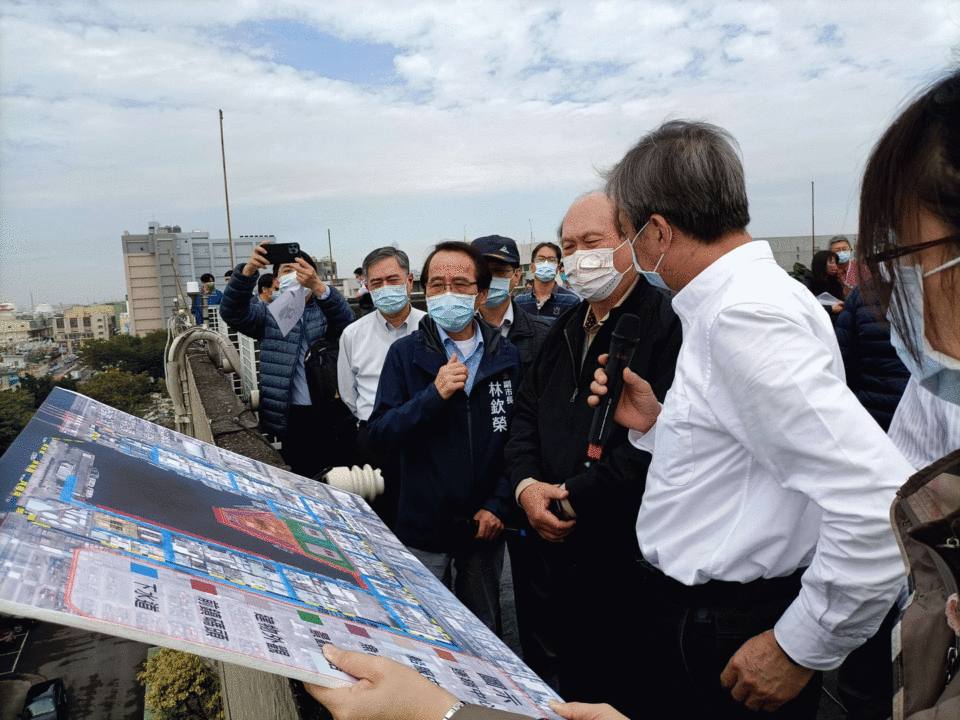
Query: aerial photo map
{"type": "Point", "coordinates": [114, 524]}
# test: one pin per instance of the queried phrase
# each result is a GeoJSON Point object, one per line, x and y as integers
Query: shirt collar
{"type": "Point", "coordinates": [592, 324]}
{"type": "Point", "coordinates": [450, 345]}
{"type": "Point", "coordinates": [716, 275]}
{"type": "Point", "coordinates": [507, 317]}
{"type": "Point", "coordinates": [388, 325]}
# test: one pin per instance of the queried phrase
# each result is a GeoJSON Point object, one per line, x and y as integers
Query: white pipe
{"type": "Point", "coordinates": [175, 366]}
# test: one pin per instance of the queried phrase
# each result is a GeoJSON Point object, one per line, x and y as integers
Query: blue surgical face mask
{"type": "Point", "coordinates": [545, 271]}
{"type": "Point", "coordinates": [652, 276]}
{"type": "Point", "coordinates": [499, 291]}
{"type": "Point", "coordinates": [935, 371]}
{"type": "Point", "coordinates": [451, 311]}
{"type": "Point", "coordinates": [390, 299]}
{"type": "Point", "coordinates": [843, 257]}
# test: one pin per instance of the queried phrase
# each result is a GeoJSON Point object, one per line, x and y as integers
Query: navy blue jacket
{"type": "Point", "coordinates": [874, 372]}
{"type": "Point", "coordinates": [557, 304]}
{"type": "Point", "coordinates": [278, 353]}
{"type": "Point", "coordinates": [451, 451]}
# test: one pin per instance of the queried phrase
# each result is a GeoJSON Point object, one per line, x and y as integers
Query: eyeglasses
{"type": "Point", "coordinates": [460, 287]}
{"type": "Point", "coordinates": [544, 259]}
{"type": "Point", "coordinates": [903, 250]}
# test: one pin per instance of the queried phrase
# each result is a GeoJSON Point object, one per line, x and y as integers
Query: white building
{"type": "Point", "coordinates": [159, 264]}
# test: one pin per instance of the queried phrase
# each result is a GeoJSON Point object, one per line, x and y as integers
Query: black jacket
{"type": "Point", "coordinates": [548, 440]}
{"type": "Point", "coordinates": [527, 334]}
{"type": "Point", "coordinates": [874, 372]}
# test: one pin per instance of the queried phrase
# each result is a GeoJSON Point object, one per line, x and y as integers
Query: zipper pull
{"type": "Point", "coordinates": [573, 397]}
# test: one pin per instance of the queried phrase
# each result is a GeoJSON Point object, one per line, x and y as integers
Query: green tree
{"type": "Point", "coordinates": [16, 409]}
{"type": "Point", "coordinates": [42, 386]}
{"type": "Point", "coordinates": [128, 353]}
{"type": "Point", "coordinates": [153, 348]}
{"type": "Point", "coordinates": [121, 390]}
{"type": "Point", "coordinates": [180, 685]}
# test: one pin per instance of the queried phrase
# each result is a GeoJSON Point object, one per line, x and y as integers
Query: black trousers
{"type": "Point", "coordinates": [309, 441]}
{"type": "Point", "coordinates": [693, 635]}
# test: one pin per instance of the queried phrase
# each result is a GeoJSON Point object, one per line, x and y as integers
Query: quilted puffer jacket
{"type": "Point", "coordinates": [278, 353]}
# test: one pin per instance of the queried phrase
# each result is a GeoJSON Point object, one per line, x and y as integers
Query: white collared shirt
{"type": "Point", "coordinates": [764, 462]}
{"type": "Point", "coordinates": [363, 349]}
{"type": "Point", "coordinates": [507, 321]}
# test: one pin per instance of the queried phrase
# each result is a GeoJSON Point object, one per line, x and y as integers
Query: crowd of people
{"type": "Point", "coordinates": [737, 519]}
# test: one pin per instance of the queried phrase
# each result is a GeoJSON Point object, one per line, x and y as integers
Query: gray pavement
{"type": "Point", "coordinates": [98, 672]}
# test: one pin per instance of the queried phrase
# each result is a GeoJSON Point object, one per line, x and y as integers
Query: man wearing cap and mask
{"type": "Point", "coordinates": [445, 399]}
{"type": "Point", "coordinates": [586, 557]}
{"type": "Point", "coordinates": [500, 310]}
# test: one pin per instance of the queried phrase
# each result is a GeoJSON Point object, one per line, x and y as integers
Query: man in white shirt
{"type": "Point", "coordinates": [765, 467]}
{"type": "Point", "coordinates": [363, 348]}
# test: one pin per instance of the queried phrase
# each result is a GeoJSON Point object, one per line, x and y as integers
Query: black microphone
{"type": "Point", "coordinates": [626, 335]}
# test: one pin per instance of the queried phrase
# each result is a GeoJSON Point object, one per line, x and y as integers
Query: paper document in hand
{"type": "Point", "coordinates": [288, 308]}
{"type": "Point", "coordinates": [827, 299]}
{"type": "Point", "coordinates": [114, 524]}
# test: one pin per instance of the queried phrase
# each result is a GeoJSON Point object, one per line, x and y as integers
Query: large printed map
{"type": "Point", "coordinates": [114, 524]}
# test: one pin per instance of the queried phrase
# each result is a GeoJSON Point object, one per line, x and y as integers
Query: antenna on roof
{"type": "Point", "coordinates": [223, 154]}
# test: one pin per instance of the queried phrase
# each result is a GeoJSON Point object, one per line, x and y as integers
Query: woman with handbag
{"type": "Point", "coordinates": [910, 244]}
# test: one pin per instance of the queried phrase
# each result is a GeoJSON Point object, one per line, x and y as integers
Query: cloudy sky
{"type": "Point", "coordinates": [409, 122]}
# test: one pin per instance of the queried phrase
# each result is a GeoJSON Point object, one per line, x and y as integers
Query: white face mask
{"type": "Point", "coordinates": [592, 273]}
{"type": "Point", "coordinates": [287, 281]}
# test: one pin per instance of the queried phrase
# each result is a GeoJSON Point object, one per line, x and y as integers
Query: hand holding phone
{"type": "Point", "coordinates": [280, 253]}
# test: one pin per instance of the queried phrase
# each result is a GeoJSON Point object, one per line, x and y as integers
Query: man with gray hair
{"type": "Point", "coordinates": [763, 525]}
{"type": "Point", "coordinates": [363, 349]}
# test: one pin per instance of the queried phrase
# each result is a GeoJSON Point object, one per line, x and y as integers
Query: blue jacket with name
{"type": "Point", "coordinates": [279, 354]}
{"type": "Point", "coordinates": [451, 451]}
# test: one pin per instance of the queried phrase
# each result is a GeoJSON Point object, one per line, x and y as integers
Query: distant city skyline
{"type": "Point", "coordinates": [412, 122]}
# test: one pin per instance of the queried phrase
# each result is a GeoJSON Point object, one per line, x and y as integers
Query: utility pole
{"type": "Point", "coordinates": [813, 229]}
{"type": "Point", "coordinates": [223, 154]}
{"type": "Point", "coordinates": [330, 250]}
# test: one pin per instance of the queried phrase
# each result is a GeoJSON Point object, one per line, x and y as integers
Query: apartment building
{"type": "Point", "coordinates": [159, 264]}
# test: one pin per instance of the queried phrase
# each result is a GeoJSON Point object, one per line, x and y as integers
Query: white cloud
{"type": "Point", "coordinates": [109, 115]}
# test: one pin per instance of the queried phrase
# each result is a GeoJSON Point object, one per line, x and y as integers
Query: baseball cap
{"type": "Point", "coordinates": [497, 247]}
